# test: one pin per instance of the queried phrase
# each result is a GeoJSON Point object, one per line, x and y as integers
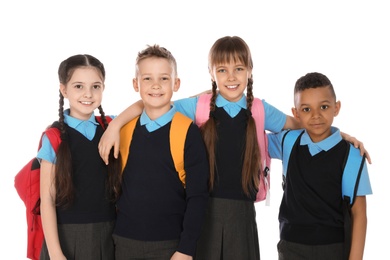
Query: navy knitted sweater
{"type": "Point", "coordinates": [154, 205]}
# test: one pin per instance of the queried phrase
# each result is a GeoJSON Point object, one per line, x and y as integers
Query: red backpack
{"type": "Point", "coordinates": [202, 115]}
{"type": "Point", "coordinates": [27, 182]}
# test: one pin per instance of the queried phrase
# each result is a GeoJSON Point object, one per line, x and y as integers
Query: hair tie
{"type": "Point", "coordinates": [212, 114]}
{"type": "Point", "coordinates": [64, 136]}
{"type": "Point", "coordinates": [248, 113]}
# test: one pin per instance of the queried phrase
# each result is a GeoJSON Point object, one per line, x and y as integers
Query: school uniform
{"type": "Point", "coordinates": [311, 211]}
{"type": "Point", "coordinates": [85, 227]}
{"type": "Point", "coordinates": [156, 214]}
{"type": "Point", "coordinates": [230, 228]}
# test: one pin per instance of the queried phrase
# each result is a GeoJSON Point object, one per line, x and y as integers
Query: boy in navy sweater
{"type": "Point", "coordinates": [311, 212]}
{"type": "Point", "coordinates": [158, 217]}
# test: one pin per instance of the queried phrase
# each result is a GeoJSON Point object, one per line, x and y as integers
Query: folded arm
{"type": "Point", "coordinates": [110, 137]}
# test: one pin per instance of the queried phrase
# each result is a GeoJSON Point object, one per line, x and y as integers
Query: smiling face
{"type": "Point", "coordinates": [231, 79]}
{"type": "Point", "coordinates": [84, 92]}
{"type": "Point", "coordinates": [156, 81]}
{"type": "Point", "coordinates": [316, 108]}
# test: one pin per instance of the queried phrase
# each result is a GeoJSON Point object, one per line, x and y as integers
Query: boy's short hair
{"type": "Point", "coordinates": [157, 52]}
{"type": "Point", "coordinates": [313, 80]}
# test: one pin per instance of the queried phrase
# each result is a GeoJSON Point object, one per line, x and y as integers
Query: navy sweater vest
{"type": "Point", "coordinates": [311, 209]}
{"type": "Point", "coordinates": [229, 155]}
{"type": "Point", "coordinates": [154, 205]}
{"type": "Point", "coordinates": [91, 203]}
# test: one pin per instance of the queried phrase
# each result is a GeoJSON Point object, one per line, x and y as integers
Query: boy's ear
{"type": "Point", "coordinates": [337, 108]}
{"type": "Point", "coordinates": [176, 86]}
{"type": "Point", "coordinates": [63, 90]}
{"type": "Point", "coordinates": [295, 113]}
{"type": "Point", "coordinates": [135, 84]}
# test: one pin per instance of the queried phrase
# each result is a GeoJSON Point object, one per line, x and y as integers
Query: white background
{"type": "Point", "coordinates": [346, 40]}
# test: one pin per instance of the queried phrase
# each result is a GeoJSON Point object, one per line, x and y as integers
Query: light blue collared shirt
{"type": "Point", "coordinates": [153, 125]}
{"type": "Point", "coordinates": [323, 145]}
{"type": "Point", "coordinates": [274, 118]}
{"type": "Point", "coordinates": [232, 108]}
{"type": "Point", "coordinates": [275, 151]}
{"type": "Point", "coordinates": [85, 127]}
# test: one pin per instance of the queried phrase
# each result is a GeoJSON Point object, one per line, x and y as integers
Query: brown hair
{"type": "Point", "coordinates": [63, 167]}
{"type": "Point", "coordinates": [157, 52]}
{"type": "Point", "coordinates": [225, 50]}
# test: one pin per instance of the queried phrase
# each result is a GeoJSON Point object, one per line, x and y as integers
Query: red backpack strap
{"type": "Point", "coordinates": [100, 120]}
{"type": "Point", "coordinates": [54, 136]}
{"type": "Point", "coordinates": [202, 109]}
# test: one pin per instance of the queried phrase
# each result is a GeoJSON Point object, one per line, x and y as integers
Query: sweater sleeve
{"type": "Point", "coordinates": [197, 174]}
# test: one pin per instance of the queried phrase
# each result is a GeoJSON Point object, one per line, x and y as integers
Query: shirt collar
{"type": "Point", "coordinates": [152, 125]}
{"type": "Point", "coordinates": [323, 145]}
{"type": "Point", "coordinates": [221, 102]}
{"type": "Point", "coordinates": [75, 122]}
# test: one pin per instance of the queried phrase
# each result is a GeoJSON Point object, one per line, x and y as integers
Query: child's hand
{"type": "Point", "coordinates": [180, 256]}
{"type": "Point", "coordinates": [358, 145]}
{"type": "Point", "coordinates": [109, 139]}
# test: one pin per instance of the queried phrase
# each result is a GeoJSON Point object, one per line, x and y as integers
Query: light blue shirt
{"type": "Point", "coordinates": [274, 119]}
{"type": "Point", "coordinates": [153, 125]}
{"type": "Point", "coordinates": [275, 151]}
{"type": "Point", "coordinates": [232, 108]}
{"type": "Point", "coordinates": [323, 145]}
{"type": "Point", "coordinates": [85, 127]}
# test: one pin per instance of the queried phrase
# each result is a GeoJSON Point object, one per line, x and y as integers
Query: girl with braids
{"type": "Point", "coordinates": [78, 191]}
{"type": "Point", "coordinates": [229, 229]}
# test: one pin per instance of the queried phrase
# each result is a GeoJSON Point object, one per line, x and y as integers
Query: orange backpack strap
{"type": "Point", "coordinates": [177, 135]}
{"type": "Point", "coordinates": [126, 135]}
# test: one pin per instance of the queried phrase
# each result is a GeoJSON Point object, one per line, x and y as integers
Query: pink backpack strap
{"type": "Point", "coordinates": [202, 115]}
{"type": "Point", "coordinates": [202, 109]}
{"type": "Point", "coordinates": [264, 185]}
{"type": "Point", "coordinates": [258, 115]}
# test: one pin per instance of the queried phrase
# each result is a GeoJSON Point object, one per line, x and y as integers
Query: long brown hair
{"type": "Point", "coordinates": [63, 167]}
{"type": "Point", "coordinates": [225, 50]}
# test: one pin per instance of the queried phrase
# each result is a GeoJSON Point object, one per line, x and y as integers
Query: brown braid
{"type": "Point", "coordinates": [114, 167]}
{"type": "Point", "coordinates": [63, 167]}
{"type": "Point", "coordinates": [225, 50]}
{"type": "Point", "coordinates": [251, 165]}
{"type": "Point", "coordinates": [103, 116]}
{"type": "Point", "coordinates": [210, 137]}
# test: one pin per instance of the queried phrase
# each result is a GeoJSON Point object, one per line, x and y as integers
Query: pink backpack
{"type": "Point", "coordinates": [202, 115]}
